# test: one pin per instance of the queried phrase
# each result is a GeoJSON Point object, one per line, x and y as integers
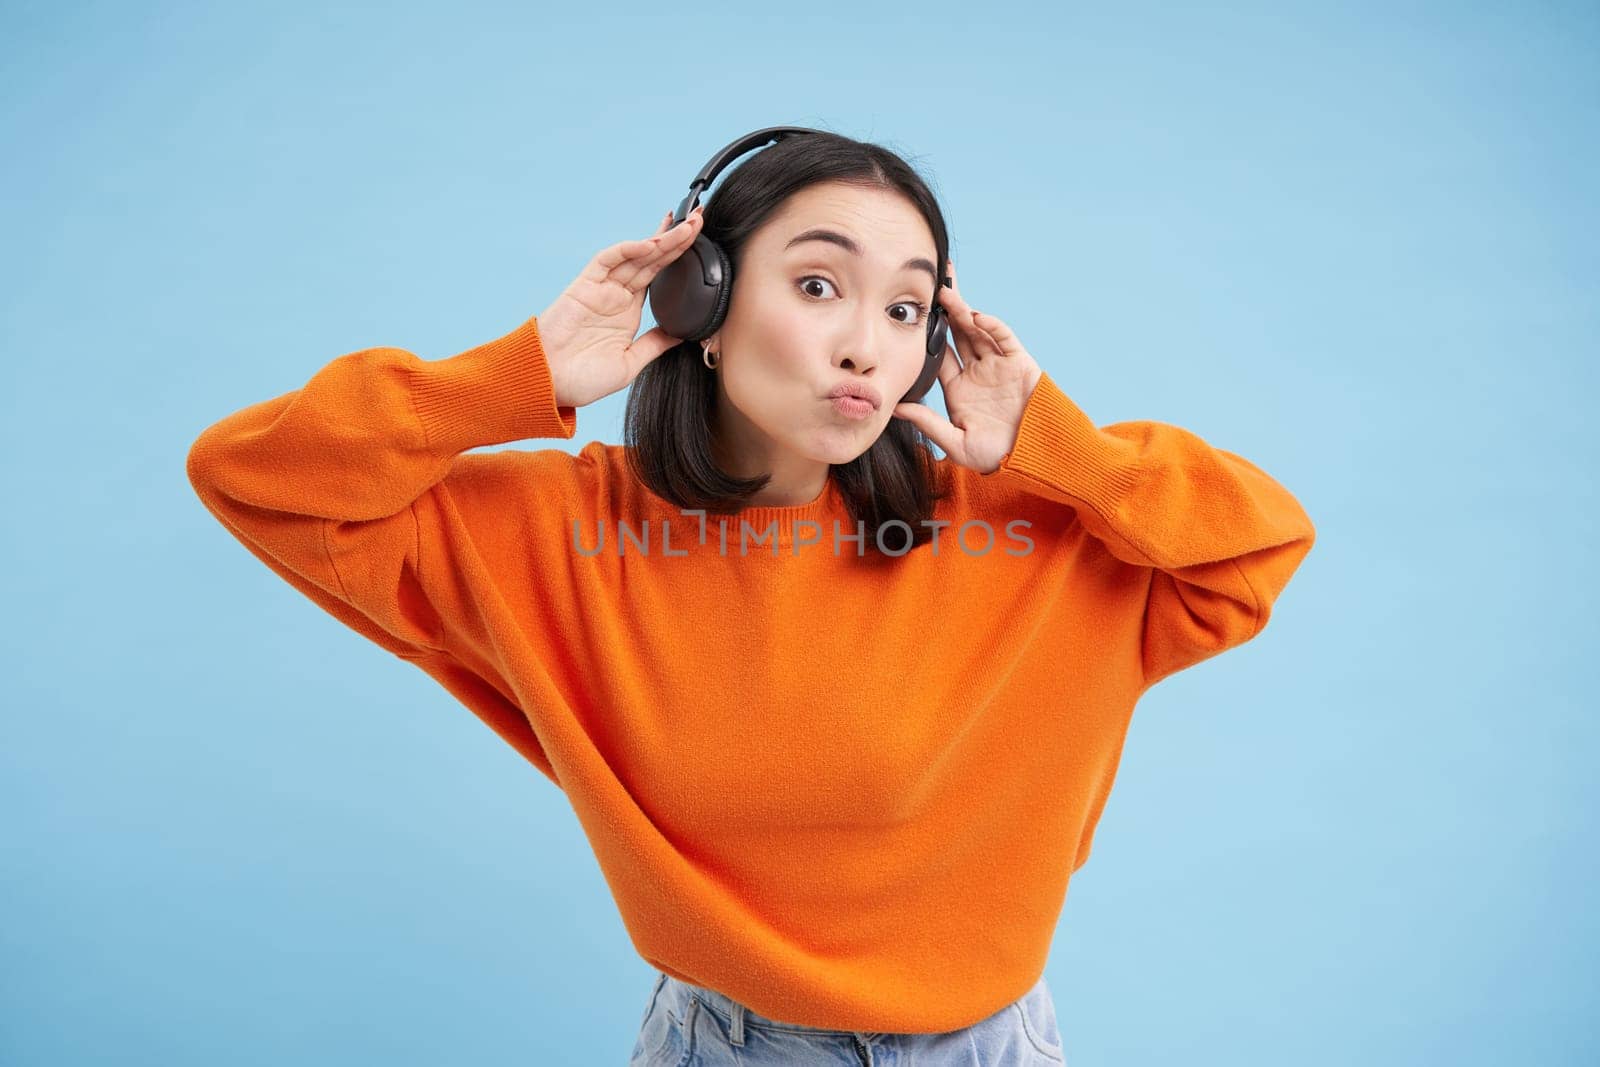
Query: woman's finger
{"type": "Point", "coordinates": [1000, 335]}
{"type": "Point", "coordinates": [954, 300]}
{"type": "Point", "coordinates": [960, 315]}
{"type": "Point", "coordinates": [670, 240]}
{"type": "Point", "coordinates": [637, 271]}
{"type": "Point", "coordinates": [650, 246]}
{"type": "Point", "coordinates": [935, 427]}
{"type": "Point", "coordinates": [958, 326]}
{"type": "Point", "coordinates": [663, 238]}
{"type": "Point", "coordinates": [949, 369]}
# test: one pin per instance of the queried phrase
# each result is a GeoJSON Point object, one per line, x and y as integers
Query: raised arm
{"type": "Point", "coordinates": [1221, 538]}
{"type": "Point", "coordinates": [353, 488]}
{"type": "Point", "coordinates": [322, 483]}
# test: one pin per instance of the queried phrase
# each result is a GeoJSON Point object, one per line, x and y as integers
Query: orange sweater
{"type": "Point", "coordinates": [846, 791]}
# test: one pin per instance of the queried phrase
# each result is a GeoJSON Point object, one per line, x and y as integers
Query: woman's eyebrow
{"type": "Point", "coordinates": [833, 237]}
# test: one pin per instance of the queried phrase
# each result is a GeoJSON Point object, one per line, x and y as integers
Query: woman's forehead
{"type": "Point", "coordinates": [871, 223]}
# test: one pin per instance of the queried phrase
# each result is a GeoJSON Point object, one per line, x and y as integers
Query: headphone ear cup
{"type": "Point", "coordinates": [938, 335]}
{"type": "Point", "coordinates": [690, 295]}
{"type": "Point", "coordinates": [938, 340]}
{"type": "Point", "coordinates": [724, 292]}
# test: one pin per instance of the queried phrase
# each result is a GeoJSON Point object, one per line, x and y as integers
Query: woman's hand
{"type": "Point", "coordinates": [588, 332]}
{"type": "Point", "coordinates": [985, 393]}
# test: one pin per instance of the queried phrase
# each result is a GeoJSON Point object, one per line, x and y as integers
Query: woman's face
{"type": "Point", "coordinates": [807, 314]}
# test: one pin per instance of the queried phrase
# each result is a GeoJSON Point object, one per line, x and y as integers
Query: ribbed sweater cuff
{"type": "Point", "coordinates": [1061, 452]}
{"type": "Point", "coordinates": [496, 392]}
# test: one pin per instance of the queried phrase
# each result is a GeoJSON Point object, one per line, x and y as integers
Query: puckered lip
{"type": "Point", "coordinates": [856, 389]}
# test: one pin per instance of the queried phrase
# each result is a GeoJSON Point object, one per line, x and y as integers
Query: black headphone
{"type": "Point", "coordinates": [689, 297]}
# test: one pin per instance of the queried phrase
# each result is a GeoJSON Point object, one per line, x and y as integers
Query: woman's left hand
{"type": "Point", "coordinates": [985, 393]}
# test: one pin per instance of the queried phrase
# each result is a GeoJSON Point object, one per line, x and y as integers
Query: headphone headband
{"type": "Point", "coordinates": [719, 162]}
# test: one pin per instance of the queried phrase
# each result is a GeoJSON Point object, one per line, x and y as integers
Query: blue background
{"type": "Point", "coordinates": [1351, 246]}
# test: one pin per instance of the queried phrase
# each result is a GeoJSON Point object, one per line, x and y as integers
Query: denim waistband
{"type": "Point", "coordinates": [1026, 1023]}
{"type": "Point", "coordinates": [734, 1015]}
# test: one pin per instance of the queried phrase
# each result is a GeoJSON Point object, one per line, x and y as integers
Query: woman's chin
{"type": "Point", "coordinates": [841, 457]}
{"type": "Point", "coordinates": [838, 442]}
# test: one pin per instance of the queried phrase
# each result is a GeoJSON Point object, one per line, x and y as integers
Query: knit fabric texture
{"type": "Point", "coordinates": [846, 789]}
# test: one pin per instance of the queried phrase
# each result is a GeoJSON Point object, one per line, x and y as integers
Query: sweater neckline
{"type": "Point", "coordinates": [828, 504]}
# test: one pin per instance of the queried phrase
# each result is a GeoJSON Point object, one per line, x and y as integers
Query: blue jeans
{"type": "Point", "coordinates": [687, 1025]}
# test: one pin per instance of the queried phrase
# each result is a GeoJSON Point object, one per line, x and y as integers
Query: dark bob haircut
{"type": "Point", "coordinates": [668, 420]}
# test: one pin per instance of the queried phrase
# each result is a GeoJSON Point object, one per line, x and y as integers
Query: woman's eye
{"type": "Point", "coordinates": [920, 308]}
{"type": "Point", "coordinates": [814, 278]}
{"type": "Point", "coordinates": [809, 280]}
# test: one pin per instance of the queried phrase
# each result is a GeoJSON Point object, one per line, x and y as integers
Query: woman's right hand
{"type": "Point", "coordinates": [588, 332]}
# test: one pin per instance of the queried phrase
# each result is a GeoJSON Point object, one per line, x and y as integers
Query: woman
{"type": "Point", "coordinates": [837, 782]}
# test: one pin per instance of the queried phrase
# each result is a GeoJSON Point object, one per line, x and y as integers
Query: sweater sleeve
{"type": "Point", "coordinates": [323, 484]}
{"type": "Point", "coordinates": [1220, 539]}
